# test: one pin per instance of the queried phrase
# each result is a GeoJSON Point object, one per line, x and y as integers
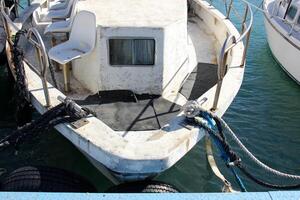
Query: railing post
{"type": "Point", "coordinates": [222, 69]}
{"type": "Point", "coordinates": [246, 48]}
{"type": "Point", "coordinates": [43, 60]}
{"type": "Point", "coordinates": [229, 9]}
{"type": "Point", "coordinates": [245, 18]}
{"type": "Point", "coordinates": [16, 7]}
{"type": "Point", "coordinates": [230, 43]}
{"type": "Point", "coordinates": [43, 77]}
{"type": "Point", "coordinates": [221, 73]}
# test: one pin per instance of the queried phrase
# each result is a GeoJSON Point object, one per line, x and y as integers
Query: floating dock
{"type": "Point", "coordinates": [278, 195]}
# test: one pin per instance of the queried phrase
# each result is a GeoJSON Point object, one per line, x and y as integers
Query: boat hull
{"type": "Point", "coordinates": [283, 49]}
{"type": "Point", "coordinates": [136, 155]}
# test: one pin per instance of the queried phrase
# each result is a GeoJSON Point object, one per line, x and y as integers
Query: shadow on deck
{"type": "Point", "coordinates": [123, 110]}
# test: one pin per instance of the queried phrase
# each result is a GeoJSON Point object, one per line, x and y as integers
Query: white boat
{"type": "Point", "coordinates": [282, 22]}
{"type": "Point", "coordinates": [135, 63]}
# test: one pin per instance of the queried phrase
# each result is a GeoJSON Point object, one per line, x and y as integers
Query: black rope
{"type": "Point", "coordinates": [22, 96]}
{"type": "Point", "coordinates": [233, 157]}
{"type": "Point", "coordinates": [65, 112]}
{"type": "Point", "coordinates": [52, 73]}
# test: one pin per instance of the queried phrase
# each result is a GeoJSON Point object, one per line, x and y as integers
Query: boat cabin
{"type": "Point", "coordinates": [290, 11]}
{"type": "Point", "coordinates": [136, 49]}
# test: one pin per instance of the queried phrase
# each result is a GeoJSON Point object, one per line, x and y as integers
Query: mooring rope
{"type": "Point", "coordinates": [226, 154]}
{"type": "Point", "coordinates": [252, 157]}
{"type": "Point", "coordinates": [22, 93]}
{"type": "Point", "coordinates": [65, 112]}
{"type": "Point", "coordinates": [203, 118]}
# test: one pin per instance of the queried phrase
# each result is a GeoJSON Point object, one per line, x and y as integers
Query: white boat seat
{"type": "Point", "coordinates": [59, 27]}
{"type": "Point", "coordinates": [38, 1]}
{"type": "Point", "coordinates": [62, 13]}
{"type": "Point", "coordinates": [80, 42]}
{"type": "Point", "coordinates": [62, 26]}
{"type": "Point", "coordinates": [68, 51]}
{"type": "Point", "coordinates": [45, 16]}
{"type": "Point", "coordinates": [27, 12]}
{"type": "Point", "coordinates": [56, 5]}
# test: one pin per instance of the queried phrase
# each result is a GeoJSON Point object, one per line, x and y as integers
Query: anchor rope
{"type": "Point", "coordinates": [195, 113]}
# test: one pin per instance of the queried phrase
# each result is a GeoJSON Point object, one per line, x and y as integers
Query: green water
{"type": "Point", "coordinates": [265, 115]}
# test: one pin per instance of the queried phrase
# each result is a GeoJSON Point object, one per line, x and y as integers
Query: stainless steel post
{"type": "Point", "coordinates": [43, 60]}
{"type": "Point", "coordinates": [66, 73]}
{"type": "Point", "coordinates": [229, 9]}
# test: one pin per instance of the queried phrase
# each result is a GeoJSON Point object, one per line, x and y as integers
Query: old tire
{"type": "Point", "coordinates": [45, 179]}
{"type": "Point", "coordinates": [143, 187]}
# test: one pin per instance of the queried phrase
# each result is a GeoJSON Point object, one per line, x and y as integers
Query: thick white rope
{"type": "Point", "coordinates": [193, 109]}
{"type": "Point", "coordinates": [252, 157]}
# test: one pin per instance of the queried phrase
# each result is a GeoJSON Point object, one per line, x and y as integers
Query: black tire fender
{"type": "Point", "coordinates": [45, 179]}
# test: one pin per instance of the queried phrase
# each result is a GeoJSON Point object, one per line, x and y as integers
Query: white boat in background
{"type": "Point", "coordinates": [282, 22]}
{"type": "Point", "coordinates": [135, 63]}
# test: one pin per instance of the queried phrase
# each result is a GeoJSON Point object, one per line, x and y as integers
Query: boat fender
{"type": "Point", "coordinates": [146, 186]}
{"type": "Point", "coordinates": [45, 179]}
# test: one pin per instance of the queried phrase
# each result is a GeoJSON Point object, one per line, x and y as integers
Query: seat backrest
{"type": "Point", "coordinates": [70, 6]}
{"type": "Point", "coordinates": [83, 29]}
{"type": "Point", "coordinates": [73, 9]}
{"type": "Point", "coordinates": [62, 4]}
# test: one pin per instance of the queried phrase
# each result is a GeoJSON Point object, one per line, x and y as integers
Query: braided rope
{"type": "Point", "coordinates": [193, 109]}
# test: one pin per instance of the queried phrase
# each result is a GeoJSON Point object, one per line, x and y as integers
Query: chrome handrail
{"type": "Point", "coordinates": [230, 42]}
{"type": "Point", "coordinates": [222, 68]}
{"type": "Point", "coordinates": [42, 58]}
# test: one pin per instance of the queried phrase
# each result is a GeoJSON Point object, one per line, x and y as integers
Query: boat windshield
{"type": "Point", "coordinates": [292, 12]}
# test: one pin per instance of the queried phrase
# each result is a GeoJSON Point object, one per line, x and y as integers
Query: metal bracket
{"type": "Point", "coordinates": [187, 124]}
{"type": "Point", "coordinates": [79, 123]}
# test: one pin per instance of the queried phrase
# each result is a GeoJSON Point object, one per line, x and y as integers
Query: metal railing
{"type": "Point", "coordinates": [42, 57]}
{"type": "Point", "coordinates": [35, 39]}
{"type": "Point", "coordinates": [231, 41]}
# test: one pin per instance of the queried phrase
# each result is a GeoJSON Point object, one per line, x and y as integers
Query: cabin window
{"type": "Point", "coordinates": [132, 51]}
{"type": "Point", "coordinates": [292, 12]}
